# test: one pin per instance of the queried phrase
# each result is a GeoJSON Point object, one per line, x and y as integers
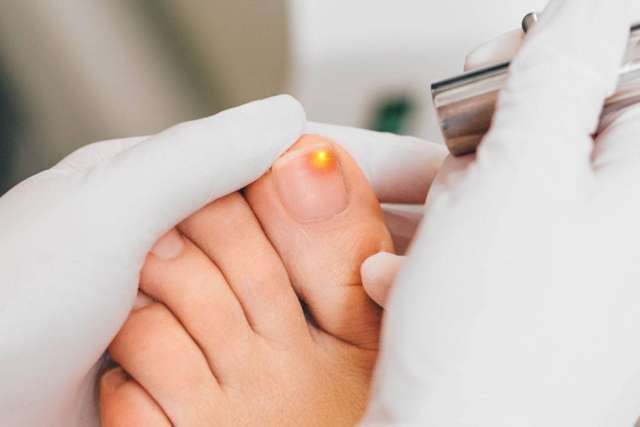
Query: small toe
{"type": "Point", "coordinates": [124, 403]}
{"type": "Point", "coordinates": [194, 289]}
{"type": "Point", "coordinates": [228, 232]}
{"type": "Point", "coordinates": [160, 355]}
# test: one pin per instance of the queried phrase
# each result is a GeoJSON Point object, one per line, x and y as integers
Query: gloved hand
{"type": "Point", "coordinates": [518, 304]}
{"type": "Point", "coordinates": [379, 271]}
{"type": "Point", "coordinates": [74, 238]}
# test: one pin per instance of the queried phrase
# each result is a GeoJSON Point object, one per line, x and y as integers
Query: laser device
{"type": "Point", "coordinates": [465, 104]}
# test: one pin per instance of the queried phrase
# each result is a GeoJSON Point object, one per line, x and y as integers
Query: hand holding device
{"type": "Point", "coordinates": [518, 304]}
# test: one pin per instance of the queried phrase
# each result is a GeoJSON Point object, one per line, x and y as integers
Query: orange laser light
{"type": "Point", "coordinates": [322, 159]}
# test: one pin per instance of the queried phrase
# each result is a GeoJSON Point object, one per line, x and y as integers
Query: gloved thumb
{"type": "Point", "coordinates": [501, 49]}
{"type": "Point", "coordinates": [154, 184]}
{"type": "Point", "coordinates": [378, 273]}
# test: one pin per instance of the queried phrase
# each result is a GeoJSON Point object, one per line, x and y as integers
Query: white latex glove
{"type": "Point", "coordinates": [379, 271]}
{"type": "Point", "coordinates": [518, 304]}
{"type": "Point", "coordinates": [74, 238]}
{"type": "Point", "coordinates": [400, 169]}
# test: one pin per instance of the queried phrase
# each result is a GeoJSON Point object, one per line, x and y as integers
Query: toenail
{"type": "Point", "coordinates": [310, 183]}
{"type": "Point", "coordinates": [169, 246]}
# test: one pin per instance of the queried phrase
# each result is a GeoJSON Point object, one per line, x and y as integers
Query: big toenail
{"type": "Point", "coordinates": [310, 183]}
{"type": "Point", "coordinates": [168, 246]}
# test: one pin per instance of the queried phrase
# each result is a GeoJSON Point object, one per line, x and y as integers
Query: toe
{"type": "Point", "coordinates": [228, 232]}
{"type": "Point", "coordinates": [124, 403]}
{"type": "Point", "coordinates": [180, 276]}
{"type": "Point", "coordinates": [161, 356]}
{"type": "Point", "coordinates": [324, 220]}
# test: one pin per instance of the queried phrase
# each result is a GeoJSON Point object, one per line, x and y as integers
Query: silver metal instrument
{"type": "Point", "coordinates": [465, 104]}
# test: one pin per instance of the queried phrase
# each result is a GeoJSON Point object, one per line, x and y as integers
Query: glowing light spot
{"type": "Point", "coordinates": [321, 159]}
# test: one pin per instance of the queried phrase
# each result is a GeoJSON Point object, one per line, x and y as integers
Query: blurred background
{"type": "Point", "coordinates": [76, 71]}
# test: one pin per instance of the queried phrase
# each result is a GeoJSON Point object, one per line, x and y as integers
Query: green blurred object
{"type": "Point", "coordinates": [393, 115]}
{"type": "Point", "coordinates": [9, 123]}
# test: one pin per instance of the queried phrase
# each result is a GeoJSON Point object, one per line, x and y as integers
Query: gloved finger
{"type": "Point", "coordinates": [152, 186]}
{"type": "Point", "coordinates": [378, 273]}
{"type": "Point", "coordinates": [558, 82]}
{"type": "Point", "coordinates": [400, 168]}
{"type": "Point", "coordinates": [402, 222]}
{"type": "Point", "coordinates": [501, 49]}
{"type": "Point", "coordinates": [89, 156]}
{"type": "Point", "coordinates": [617, 151]}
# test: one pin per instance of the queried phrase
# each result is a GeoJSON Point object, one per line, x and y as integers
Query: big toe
{"type": "Point", "coordinates": [324, 220]}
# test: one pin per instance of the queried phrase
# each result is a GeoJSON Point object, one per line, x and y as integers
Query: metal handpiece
{"type": "Point", "coordinates": [466, 104]}
{"type": "Point", "coordinates": [528, 21]}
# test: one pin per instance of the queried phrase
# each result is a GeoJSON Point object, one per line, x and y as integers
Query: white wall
{"type": "Point", "coordinates": [350, 52]}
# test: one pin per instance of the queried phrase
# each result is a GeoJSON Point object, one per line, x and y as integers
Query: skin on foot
{"type": "Point", "coordinates": [124, 403]}
{"type": "Point", "coordinates": [226, 340]}
{"type": "Point", "coordinates": [323, 218]}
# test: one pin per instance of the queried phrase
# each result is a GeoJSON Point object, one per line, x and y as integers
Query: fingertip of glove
{"type": "Point", "coordinates": [290, 114]}
{"type": "Point", "coordinates": [500, 49]}
{"type": "Point", "coordinates": [378, 273]}
{"type": "Point", "coordinates": [280, 112]}
{"type": "Point", "coordinates": [288, 102]}
{"type": "Point", "coordinates": [275, 123]}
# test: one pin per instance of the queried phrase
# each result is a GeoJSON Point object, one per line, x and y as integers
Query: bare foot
{"type": "Point", "coordinates": [227, 341]}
